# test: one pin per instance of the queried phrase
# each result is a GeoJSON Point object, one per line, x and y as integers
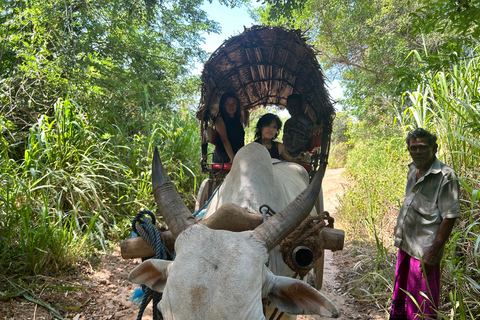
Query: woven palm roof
{"type": "Point", "coordinates": [263, 66]}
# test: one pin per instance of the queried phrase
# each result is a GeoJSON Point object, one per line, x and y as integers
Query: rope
{"type": "Point", "coordinates": [266, 210]}
{"type": "Point", "coordinates": [308, 234]}
{"type": "Point", "coordinates": [142, 226]}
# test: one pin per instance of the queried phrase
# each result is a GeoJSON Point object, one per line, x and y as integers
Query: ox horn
{"type": "Point", "coordinates": [171, 206]}
{"type": "Point", "coordinates": [275, 229]}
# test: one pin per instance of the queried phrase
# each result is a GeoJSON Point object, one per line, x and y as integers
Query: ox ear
{"type": "Point", "coordinates": [153, 273]}
{"type": "Point", "coordinates": [297, 297]}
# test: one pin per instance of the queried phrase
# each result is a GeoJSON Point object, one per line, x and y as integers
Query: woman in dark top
{"type": "Point", "coordinates": [229, 128]}
{"type": "Point", "coordinates": [268, 128]}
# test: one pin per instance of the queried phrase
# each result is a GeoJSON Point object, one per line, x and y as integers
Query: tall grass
{"type": "Point", "coordinates": [447, 103]}
{"type": "Point", "coordinates": [377, 170]}
{"type": "Point", "coordinates": [80, 185]}
{"type": "Point", "coordinates": [376, 167]}
{"type": "Point", "coordinates": [52, 201]}
{"type": "Point", "coordinates": [451, 99]}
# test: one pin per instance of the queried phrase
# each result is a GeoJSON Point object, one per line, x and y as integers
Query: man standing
{"type": "Point", "coordinates": [299, 131]}
{"type": "Point", "coordinates": [424, 224]}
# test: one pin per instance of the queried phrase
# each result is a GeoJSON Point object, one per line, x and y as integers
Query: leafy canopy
{"type": "Point", "coordinates": [103, 54]}
{"type": "Point", "coordinates": [368, 44]}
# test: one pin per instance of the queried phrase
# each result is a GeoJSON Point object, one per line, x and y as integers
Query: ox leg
{"type": "Point", "coordinates": [319, 266]}
{"type": "Point", "coordinates": [202, 195]}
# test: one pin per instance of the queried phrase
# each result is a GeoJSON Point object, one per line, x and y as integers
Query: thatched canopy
{"type": "Point", "coordinates": [263, 66]}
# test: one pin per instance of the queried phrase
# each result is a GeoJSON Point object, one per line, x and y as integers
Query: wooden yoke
{"type": "Point", "coordinates": [229, 217]}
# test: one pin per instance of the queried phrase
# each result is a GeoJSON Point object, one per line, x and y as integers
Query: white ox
{"type": "Point", "coordinates": [253, 181]}
{"type": "Point", "coordinates": [219, 274]}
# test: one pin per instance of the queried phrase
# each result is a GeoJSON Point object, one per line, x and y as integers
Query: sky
{"type": "Point", "coordinates": [232, 22]}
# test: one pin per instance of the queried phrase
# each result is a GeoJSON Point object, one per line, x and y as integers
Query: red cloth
{"type": "Point", "coordinates": [409, 277]}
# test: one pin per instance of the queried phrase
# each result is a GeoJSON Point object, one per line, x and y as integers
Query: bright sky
{"type": "Point", "coordinates": [232, 22]}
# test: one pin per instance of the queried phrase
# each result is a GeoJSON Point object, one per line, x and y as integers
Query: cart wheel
{"type": "Point", "coordinates": [316, 274]}
{"type": "Point", "coordinates": [202, 195]}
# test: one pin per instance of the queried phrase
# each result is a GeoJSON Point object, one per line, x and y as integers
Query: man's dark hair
{"type": "Point", "coordinates": [295, 96]}
{"type": "Point", "coordinates": [264, 121]}
{"type": "Point", "coordinates": [421, 133]}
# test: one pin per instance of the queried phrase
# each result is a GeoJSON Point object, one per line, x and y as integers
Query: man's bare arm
{"type": "Point", "coordinates": [430, 257]}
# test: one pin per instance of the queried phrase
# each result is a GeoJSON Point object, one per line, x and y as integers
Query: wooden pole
{"type": "Point", "coordinates": [132, 248]}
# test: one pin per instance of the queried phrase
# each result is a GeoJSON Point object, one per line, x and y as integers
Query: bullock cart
{"type": "Point", "coordinates": [262, 66]}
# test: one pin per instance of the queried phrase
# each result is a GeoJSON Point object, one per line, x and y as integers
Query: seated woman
{"type": "Point", "coordinates": [268, 128]}
{"type": "Point", "coordinates": [229, 128]}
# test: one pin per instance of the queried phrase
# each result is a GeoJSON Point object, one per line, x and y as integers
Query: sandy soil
{"type": "Point", "coordinates": [333, 186]}
{"type": "Point", "coordinates": [105, 291]}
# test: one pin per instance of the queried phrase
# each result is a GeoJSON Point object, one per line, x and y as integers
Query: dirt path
{"type": "Point", "coordinates": [106, 290]}
{"type": "Point", "coordinates": [333, 187]}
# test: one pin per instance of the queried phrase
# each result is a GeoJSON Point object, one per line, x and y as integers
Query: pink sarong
{"type": "Point", "coordinates": [409, 277]}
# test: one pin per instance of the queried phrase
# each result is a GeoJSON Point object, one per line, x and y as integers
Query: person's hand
{"type": "Point", "coordinates": [304, 157]}
{"type": "Point", "coordinates": [429, 260]}
{"type": "Point", "coordinates": [317, 130]}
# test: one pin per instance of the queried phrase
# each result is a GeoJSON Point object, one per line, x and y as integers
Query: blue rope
{"type": "Point", "coordinates": [197, 214]}
{"type": "Point", "coordinates": [145, 227]}
{"type": "Point", "coordinates": [265, 210]}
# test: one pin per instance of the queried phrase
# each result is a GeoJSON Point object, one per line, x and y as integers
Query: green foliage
{"type": "Point", "coordinates": [102, 54]}
{"type": "Point", "coordinates": [87, 90]}
{"type": "Point", "coordinates": [446, 103]}
{"type": "Point", "coordinates": [338, 155]}
{"type": "Point", "coordinates": [340, 127]}
{"type": "Point", "coordinates": [339, 139]}
{"type": "Point", "coordinates": [79, 186]}
{"type": "Point", "coordinates": [458, 17]}
{"type": "Point", "coordinates": [53, 200]}
{"type": "Point", "coordinates": [461, 267]}
{"type": "Point", "coordinates": [180, 143]}
{"type": "Point", "coordinates": [282, 10]}
{"type": "Point", "coordinates": [373, 165]}
{"type": "Point", "coordinates": [367, 44]}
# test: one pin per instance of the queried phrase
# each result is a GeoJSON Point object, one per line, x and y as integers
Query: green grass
{"type": "Point", "coordinates": [79, 185]}
{"type": "Point", "coordinates": [447, 104]}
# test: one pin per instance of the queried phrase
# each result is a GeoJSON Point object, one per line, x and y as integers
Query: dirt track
{"type": "Point", "coordinates": [333, 186]}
